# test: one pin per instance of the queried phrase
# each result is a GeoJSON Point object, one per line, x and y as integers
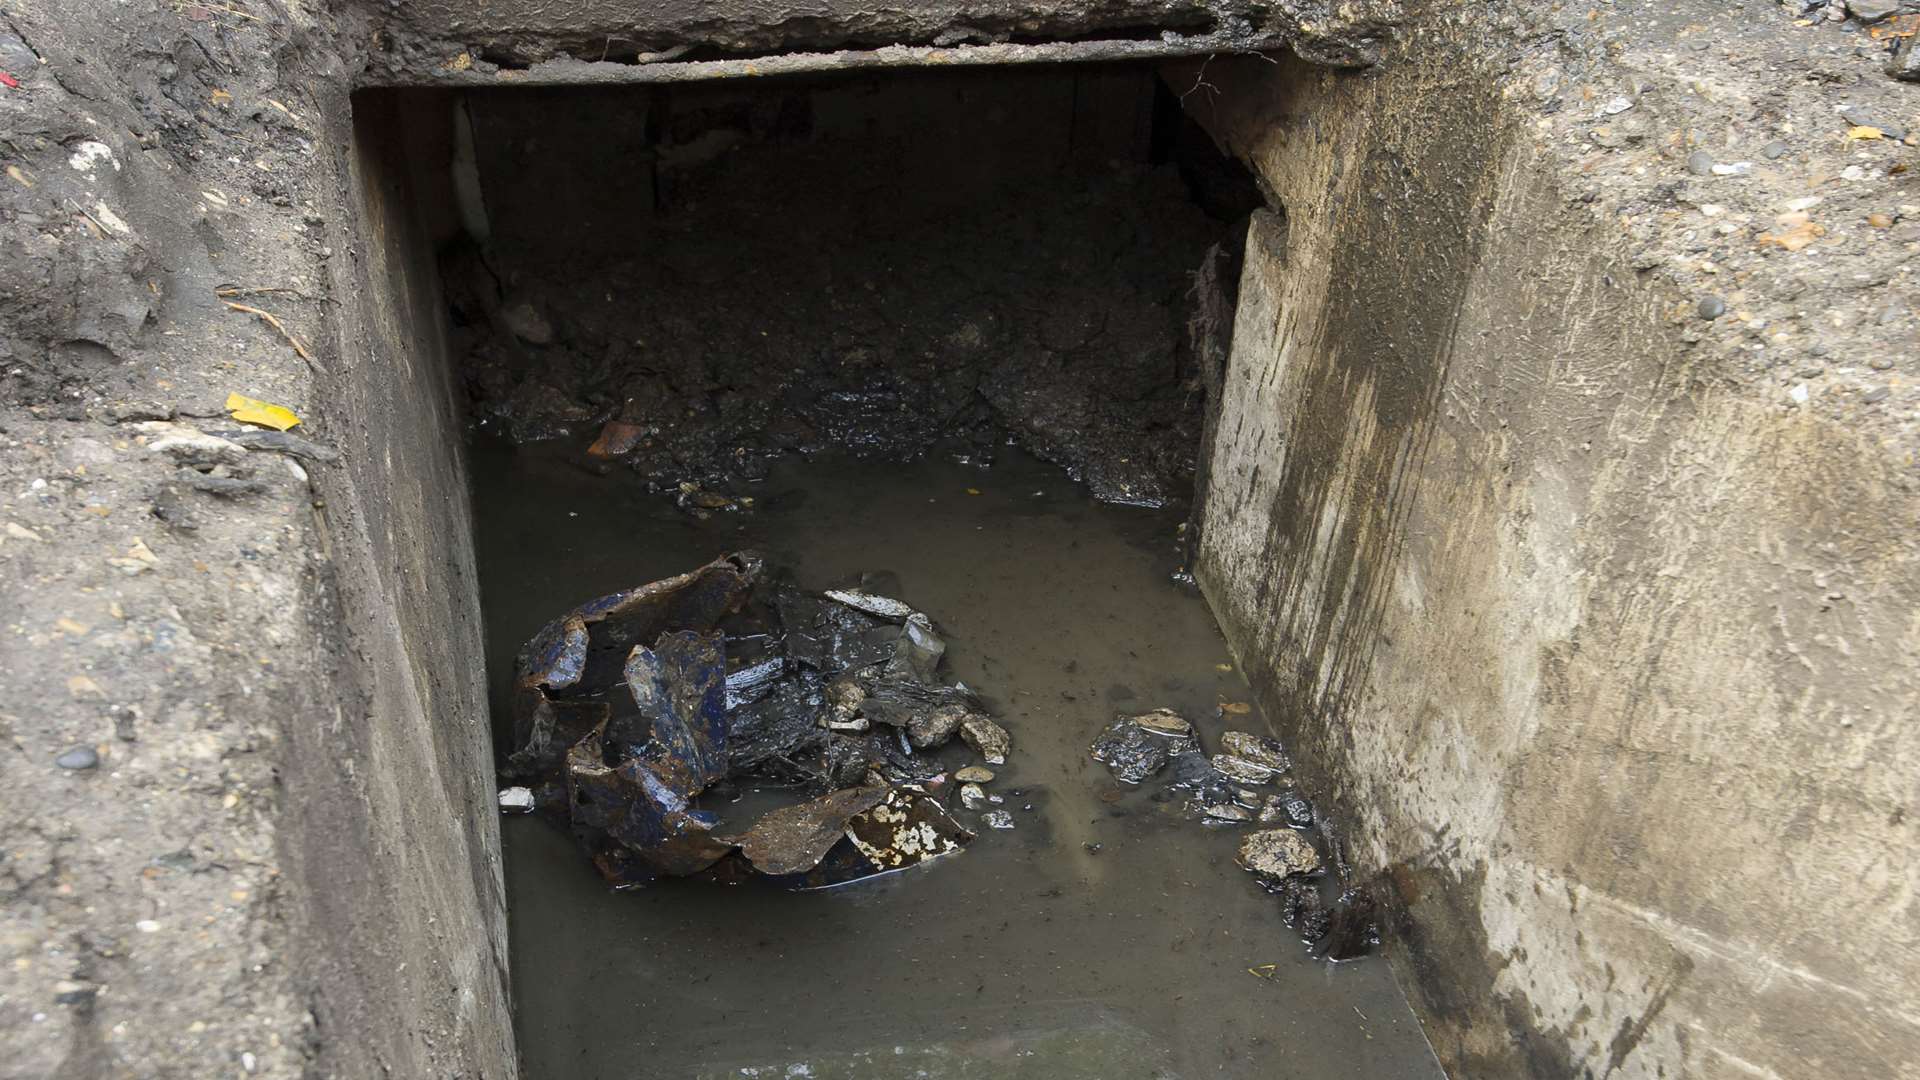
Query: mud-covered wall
{"type": "Point", "coordinates": [1613, 665]}
{"type": "Point", "coordinates": [400, 837]}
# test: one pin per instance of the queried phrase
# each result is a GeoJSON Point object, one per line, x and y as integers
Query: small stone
{"type": "Point", "coordinates": [1277, 854]}
{"type": "Point", "coordinates": [1904, 64]}
{"type": "Point", "coordinates": [1616, 106]}
{"type": "Point", "coordinates": [1880, 221]}
{"type": "Point", "coordinates": [972, 796]}
{"type": "Point", "coordinates": [527, 323]}
{"type": "Point", "coordinates": [1294, 809]}
{"type": "Point", "coordinates": [20, 532]}
{"type": "Point", "coordinates": [1700, 163]}
{"type": "Point", "coordinates": [1240, 770]}
{"type": "Point", "coordinates": [974, 774]}
{"type": "Point", "coordinates": [147, 926]}
{"type": "Point", "coordinates": [1876, 395]}
{"type": "Point", "coordinates": [516, 800]}
{"type": "Point", "coordinates": [838, 721]}
{"type": "Point", "coordinates": [997, 819]}
{"type": "Point", "coordinates": [1164, 722]}
{"type": "Point", "coordinates": [1862, 118]}
{"type": "Point", "coordinates": [936, 727]}
{"type": "Point", "coordinates": [1734, 168]}
{"type": "Point", "coordinates": [1880, 363]}
{"type": "Point", "coordinates": [1227, 812]}
{"type": "Point", "coordinates": [1872, 11]}
{"type": "Point", "coordinates": [1774, 150]}
{"type": "Point", "coordinates": [1712, 307]}
{"type": "Point", "coordinates": [1257, 749]}
{"type": "Point", "coordinates": [987, 738]}
{"type": "Point", "coordinates": [80, 757]}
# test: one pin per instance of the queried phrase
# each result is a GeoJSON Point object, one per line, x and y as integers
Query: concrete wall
{"type": "Point", "coordinates": [393, 828]}
{"type": "Point", "coordinates": [1614, 659]}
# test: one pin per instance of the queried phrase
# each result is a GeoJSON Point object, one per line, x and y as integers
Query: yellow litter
{"type": "Point", "coordinates": [264, 413]}
{"type": "Point", "coordinates": [1865, 132]}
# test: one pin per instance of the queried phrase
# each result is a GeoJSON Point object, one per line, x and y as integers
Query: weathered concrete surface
{"type": "Point", "coordinates": [285, 861]}
{"type": "Point", "coordinates": [427, 38]}
{"type": "Point", "coordinates": [1613, 649]}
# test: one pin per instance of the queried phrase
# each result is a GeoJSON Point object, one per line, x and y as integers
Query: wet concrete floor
{"type": "Point", "coordinates": [1027, 955]}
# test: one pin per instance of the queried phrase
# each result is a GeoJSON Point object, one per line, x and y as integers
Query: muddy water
{"type": "Point", "coordinates": [1105, 936]}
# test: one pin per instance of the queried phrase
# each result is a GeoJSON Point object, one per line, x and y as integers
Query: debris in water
{"type": "Point", "coordinates": [1135, 747]}
{"type": "Point", "coordinates": [884, 607]}
{"type": "Point", "coordinates": [1241, 771]}
{"type": "Point", "coordinates": [972, 796]}
{"type": "Point", "coordinates": [1228, 812]}
{"type": "Point", "coordinates": [987, 738]}
{"type": "Point", "coordinates": [793, 839]}
{"type": "Point", "coordinates": [974, 774]}
{"type": "Point", "coordinates": [997, 819]}
{"type": "Point", "coordinates": [1274, 855]}
{"type": "Point", "coordinates": [908, 827]}
{"type": "Point", "coordinates": [1257, 749]}
{"type": "Point", "coordinates": [630, 708]}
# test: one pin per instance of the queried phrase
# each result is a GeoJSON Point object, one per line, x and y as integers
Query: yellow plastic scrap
{"type": "Point", "coordinates": [264, 413]}
{"type": "Point", "coordinates": [1865, 131]}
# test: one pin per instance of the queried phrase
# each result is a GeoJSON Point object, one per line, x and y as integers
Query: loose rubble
{"type": "Point", "coordinates": [632, 706]}
{"type": "Point", "coordinates": [1217, 790]}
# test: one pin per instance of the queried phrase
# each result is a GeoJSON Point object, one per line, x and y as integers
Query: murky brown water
{"type": "Point", "coordinates": [1025, 956]}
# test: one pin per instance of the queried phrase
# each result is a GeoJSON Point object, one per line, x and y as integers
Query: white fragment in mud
{"type": "Point", "coordinates": [1240, 770]}
{"type": "Point", "coordinates": [89, 154]}
{"type": "Point", "coordinates": [972, 796]}
{"type": "Point", "coordinates": [110, 220]}
{"type": "Point", "coordinates": [189, 445]}
{"type": "Point", "coordinates": [147, 926]}
{"type": "Point", "coordinates": [1799, 393]}
{"type": "Point", "coordinates": [997, 819]}
{"type": "Point", "coordinates": [1228, 812]}
{"type": "Point", "coordinates": [882, 606]}
{"type": "Point", "coordinates": [516, 800]}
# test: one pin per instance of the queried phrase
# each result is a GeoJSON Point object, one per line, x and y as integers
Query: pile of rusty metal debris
{"type": "Point", "coordinates": [637, 713]}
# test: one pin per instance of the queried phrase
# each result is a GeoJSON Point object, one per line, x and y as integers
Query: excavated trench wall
{"type": "Point", "coordinates": [1607, 663]}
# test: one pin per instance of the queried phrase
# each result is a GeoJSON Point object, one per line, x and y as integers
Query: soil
{"type": "Point", "coordinates": [823, 281]}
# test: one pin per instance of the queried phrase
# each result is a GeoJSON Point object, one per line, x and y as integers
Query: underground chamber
{"type": "Point", "coordinates": [934, 340]}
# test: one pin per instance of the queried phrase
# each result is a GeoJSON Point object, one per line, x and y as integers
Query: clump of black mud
{"type": "Point", "coordinates": [705, 279]}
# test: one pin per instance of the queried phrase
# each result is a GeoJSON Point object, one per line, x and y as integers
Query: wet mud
{"type": "Point", "coordinates": [1107, 933]}
{"type": "Point", "coordinates": [699, 282]}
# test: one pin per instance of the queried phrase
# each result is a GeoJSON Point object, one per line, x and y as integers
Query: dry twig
{"type": "Point", "coordinates": [269, 318]}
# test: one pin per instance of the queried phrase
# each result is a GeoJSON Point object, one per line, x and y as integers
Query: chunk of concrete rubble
{"type": "Point", "coordinates": [1136, 747]}
{"type": "Point", "coordinates": [516, 800]}
{"type": "Point", "coordinates": [997, 819]}
{"type": "Point", "coordinates": [1257, 749]}
{"type": "Point", "coordinates": [1274, 855]}
{"type": "Point", "coordinates": [987, 738]}
{"type": "Point", "coordinates": [1227, 812]}
{"type": "Point", "coordinates": [973, 796]}
{"type": "Point", "coordinates": [937, 727]}
{"type": "Point", "coordinates": [974, 774]}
